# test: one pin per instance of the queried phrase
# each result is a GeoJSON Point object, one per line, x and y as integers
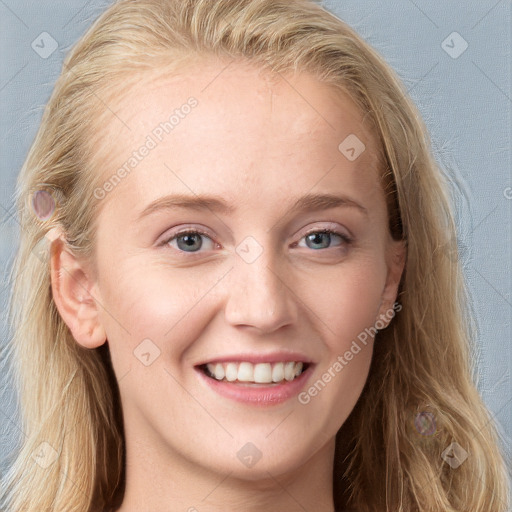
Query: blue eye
{"type": "Point", "coordinates": [323, 238]}
{"type": "Point", "coordinates": [189, 241]}
{"type": "Point", "coordinates": [192, 241]}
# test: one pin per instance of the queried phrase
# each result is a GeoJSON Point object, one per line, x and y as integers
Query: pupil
{"type": "Point", "coordinates": [189, 240]}
{"type": "Point", "coordinates": [316, 238]}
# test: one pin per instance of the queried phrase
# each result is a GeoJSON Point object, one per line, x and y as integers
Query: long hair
{"type": "Point", "coordinates": [423, 367]}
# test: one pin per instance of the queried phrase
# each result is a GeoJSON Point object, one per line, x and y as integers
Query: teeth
{"type": "Point", "coordinates": [261, 373]}
{"type": "Point", "coordinates": [278, 372]}
{"type": "Point", "coordinates": [246, 372]}
{"type": "Point", "coordinates": [219, 371]}
{"type": "Point", "coordinates": [289, 371]}
{"type": "Point", "coordinates": [231, 372]}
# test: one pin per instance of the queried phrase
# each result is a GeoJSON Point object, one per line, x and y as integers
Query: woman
{"type": "Point", "coordinates": [243, 295]}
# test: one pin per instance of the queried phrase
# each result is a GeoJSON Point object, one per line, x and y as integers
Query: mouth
{"type": "Point", "coordinates": [244, 372]}
{"type": "Point", "coordinates": [260, 383]}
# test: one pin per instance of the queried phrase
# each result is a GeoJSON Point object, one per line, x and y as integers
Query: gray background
{"type": "Point", "coordinates": [464, 96]}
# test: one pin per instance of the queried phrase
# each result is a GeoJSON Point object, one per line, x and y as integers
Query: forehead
{"type": "Point", "coordinates": [233, 125]}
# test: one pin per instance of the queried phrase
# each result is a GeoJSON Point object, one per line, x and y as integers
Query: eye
{"type": "Point", "coordinates": [191, 240]}
{"type": "Point", "coordinates": [321, 239]}
{"type": "Point", "coordinates": [188, 241]}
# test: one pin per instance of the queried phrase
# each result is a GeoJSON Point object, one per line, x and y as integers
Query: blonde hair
{"type": "Point", "coordinates": [422, 362]}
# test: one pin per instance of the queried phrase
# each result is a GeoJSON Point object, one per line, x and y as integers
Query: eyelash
{"type": "Point", "coordinates": [346, 240]}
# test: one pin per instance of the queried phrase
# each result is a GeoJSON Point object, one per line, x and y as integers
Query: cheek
{"type": "Point", "coordinates": [350, 315]}
{"type": "Point", "coordinates": [348, 301]}
{"type": "Point", "coordinates": [348, 312]}
{"type": "Point", "coordinates": [143, 303]}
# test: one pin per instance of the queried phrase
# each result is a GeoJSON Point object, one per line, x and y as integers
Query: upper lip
{"type": "Point", "coordinates": [255, 358]}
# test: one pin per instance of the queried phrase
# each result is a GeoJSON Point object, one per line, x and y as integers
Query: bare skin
{"type": "Point", "coordinates": [258, 144]}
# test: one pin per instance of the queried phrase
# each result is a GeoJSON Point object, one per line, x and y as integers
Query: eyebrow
{"type": "Point", "coordinates": [309, 202]}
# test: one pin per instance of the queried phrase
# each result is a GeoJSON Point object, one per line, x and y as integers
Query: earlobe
{"type": "Point", "coordinates": [73, 294]}
{"type": "Point", "coordinates": [396, 264]}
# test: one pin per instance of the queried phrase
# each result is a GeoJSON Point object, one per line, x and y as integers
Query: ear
{"type": "Point", "coordinates": [74, 295]}
{"type": "Point", "coordinates": [396, 257]}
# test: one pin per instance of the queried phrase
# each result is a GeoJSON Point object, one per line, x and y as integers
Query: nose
{"type": "Point", "coordinates": [259, 295]}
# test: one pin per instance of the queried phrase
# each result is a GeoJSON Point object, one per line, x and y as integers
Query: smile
{"type": "Point", "coordinates": [260, 373]}
{"type": "Point", "coordinates": [266, 382]}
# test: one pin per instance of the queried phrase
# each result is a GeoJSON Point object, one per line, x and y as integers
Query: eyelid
{"type": "Point", "coordinates": [183, 231]}
{"type": "Point", "coordinates": [333, 228]}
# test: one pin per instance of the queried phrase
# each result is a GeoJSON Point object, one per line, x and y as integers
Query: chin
{"type": "Point", "coordinates": [263, 459]}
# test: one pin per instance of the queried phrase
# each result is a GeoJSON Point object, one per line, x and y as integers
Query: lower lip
{"type": "Point", "coordinates": [258, 394]}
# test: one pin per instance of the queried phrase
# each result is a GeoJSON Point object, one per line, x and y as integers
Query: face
{"type": "Point", "coordinates": [240, 262]}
